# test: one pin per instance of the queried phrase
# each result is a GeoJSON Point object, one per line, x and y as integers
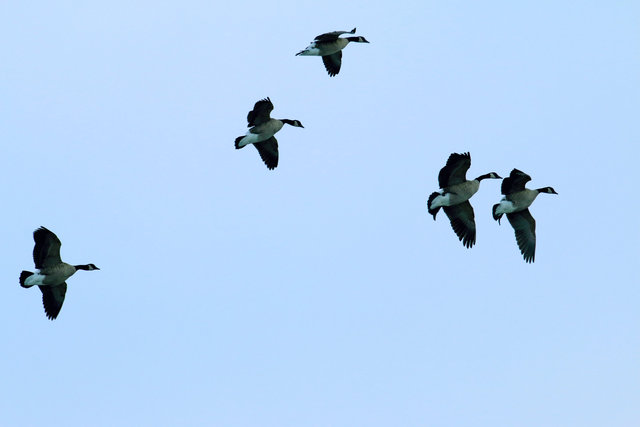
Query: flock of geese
{"type": "Point", "coordinates": [456, 191]}
{"type": "Point", "coordinates": [453, 197]}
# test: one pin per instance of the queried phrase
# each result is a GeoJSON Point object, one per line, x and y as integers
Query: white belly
{"type": "Point", "coordinates": [505, 207]}
{"type": "Point", "coordinates": [55, 276]}
{"type": "Point", "coordinates": [449, 199]}
{"type": "Point", "coordinates": [311, 50]}
{"type": "Point", "coordinates": [252, 138]}
{"type": "Point", "coordinates": [36, 279]}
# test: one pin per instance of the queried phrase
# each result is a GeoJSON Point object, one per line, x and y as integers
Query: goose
{"type": "Point", "coordinates": [455, 194]}
{"type": "Point", "coordinates": [329, 46]}
{"type": "Point", "coordinates": [263, 127]}
{"type": "Point", "coordinates": [52, 272]}
{"type": "Point", "coordinates": [515, 204]}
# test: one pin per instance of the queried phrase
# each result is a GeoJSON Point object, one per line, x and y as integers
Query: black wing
{"type": "Point", "coordinates": [268, 152]}
{"type": "Point", "coordinates": [455, 171]}
{"type": "Point", "coordinates": [514, 182]}
{"type": "Point", "coordinates": [525, 228]}
{"type": "Point", "coordinates": [52, 299]}
{"type": "Point", "coordinates": [463, 222]}
{"type": "Point", "coordinates": [260, 113]}
{"type": "Point", "coordinates": [333, 62]}
{"type": "Point", "coordinates": [46, 252]}
{"type": "Point", "coordinates": [333, 35]}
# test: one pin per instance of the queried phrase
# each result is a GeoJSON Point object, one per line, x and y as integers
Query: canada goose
{"type": "Point", "coordinates": [515, 204]}
{"type": "Point", "coordinates": [263, 127]}
{"type": "Point", "coordinates": [455, 194]}
{"type": "Point", "coordinates": [52, 272]}
{"type": "Point", "coordinates": [329, 46]}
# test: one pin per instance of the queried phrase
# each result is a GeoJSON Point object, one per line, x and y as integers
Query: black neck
{"type": "Point", "coordinates": [83, 267]}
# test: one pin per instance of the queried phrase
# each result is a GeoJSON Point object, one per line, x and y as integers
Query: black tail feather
{"type": "Point", "coordinates": [23, 277]}
{"type": "Point", "coordinates": [497, 217]}
{"type": "Point", "coordinates": [433, 212]}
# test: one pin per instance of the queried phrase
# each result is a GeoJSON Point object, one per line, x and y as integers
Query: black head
{"type": "Point", "coordinates": [294, 123]}
{"type": "Point", "coordinates": [358, 39]}
{"type": "Point", "coordinates": [549, 190]}
{"type": "Point", "coordinates": [490, 175]}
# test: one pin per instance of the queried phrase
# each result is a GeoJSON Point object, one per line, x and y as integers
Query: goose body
{"type": "Point", "coordinates": [52, 273]}
{"type": "Point", "coordinates": [51, 276]}
{"type": "Point", "coordinates": [322, 48]}
{"type": "Point", "coordinates": [515, 204]}
{"type": "Point", "coordinates": [329, 46]}
{"type": "Point", "coordinates": [454, 196]}
{"type": "Point", "coordinates": [262, 131]}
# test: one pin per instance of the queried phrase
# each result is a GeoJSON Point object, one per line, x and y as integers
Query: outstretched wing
{"type": "Point", "coordinates": [268, 152]}
{"type": "Point", "coordinates": [525, 229]}
{"type": "Point", "coordinates": [46, 252]}
{"type": "Point", "coordinates": [455, 171]}
{"type": "Point", "coordinates": [332, 35]}
{"type": "Point", "coordinates": [514, 182]}
{"type": "Point", "coordinates": [332, 63]}
{"type": "Point", "coordinates": [52, 299]}
{"type": "Point", "coordinates": [260, 113]}
{"type": "Point", "coordinates": [463, 222]}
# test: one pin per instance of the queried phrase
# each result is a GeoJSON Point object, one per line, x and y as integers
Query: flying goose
{"type": "Point", "coordinates": [515, 204]}
{"type": "Point", "coordinates": [263, 127]}
{"type": "Point", "coordinates": [455, 194]}
{"type": "Point", "coordinates": [52, 272]}
{"type": "Point", "coordinates": [329, 46]}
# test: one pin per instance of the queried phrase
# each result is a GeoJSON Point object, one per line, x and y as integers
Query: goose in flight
{"type": "Point", "coordinates": [454, 196]}
{"type": "Point", "coordinates": [515, 204]}
{"type": "Point", "coordinates": [329, 46]}
{"type": "Point", "coordinates": [262, 131]}
{"type": "Point", "coordinates": [52, 273]}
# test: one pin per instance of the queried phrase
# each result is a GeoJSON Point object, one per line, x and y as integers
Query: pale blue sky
{"type": "Point", "coordinates": [321, 293]}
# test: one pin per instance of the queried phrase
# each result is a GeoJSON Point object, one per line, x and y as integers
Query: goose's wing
{"type": "Point", "coordinates": [260, 113]}
{"type": "Point", "coordinates": [463, 222]}
{"type": "Point", "coordinates": [268, 152]}
{"type": "Point", "coordinates": [514, 182]}
{"type": "Point", "coordinates": [332, 63]}
{"type": "Point", "coordinates": [333, 35]}
{"type": "Point", "coordinates": [455, 171]}
{"type": "Point", "coordinates": [525, 229]}
{"type": "Point", "coordinates": [46, 252]}
{"type": "Point", "coordinates": [52, 299]}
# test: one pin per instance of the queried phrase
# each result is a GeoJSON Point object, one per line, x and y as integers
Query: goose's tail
{"type": "Point", "coordinates": [433, 211]}
{"type": "Point", "coordinates": [23, 278]}
{"type": "Point", "coordinates": [496, 216]}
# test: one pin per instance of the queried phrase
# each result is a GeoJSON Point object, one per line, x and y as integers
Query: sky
{"type": "Point", "coordinates": [321, 293]}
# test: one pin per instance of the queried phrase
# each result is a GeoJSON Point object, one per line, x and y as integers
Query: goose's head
{"type": "Point", "coordinates": [86, 267]}
{"type": "Point", "coordinates": [490, 175]}
{"type": "Point", "coordinates": [294, 123]}
{"type": "Point", "coordinates": [358, 39]}
{"type": "Point", "coordinates": [549, 190]}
